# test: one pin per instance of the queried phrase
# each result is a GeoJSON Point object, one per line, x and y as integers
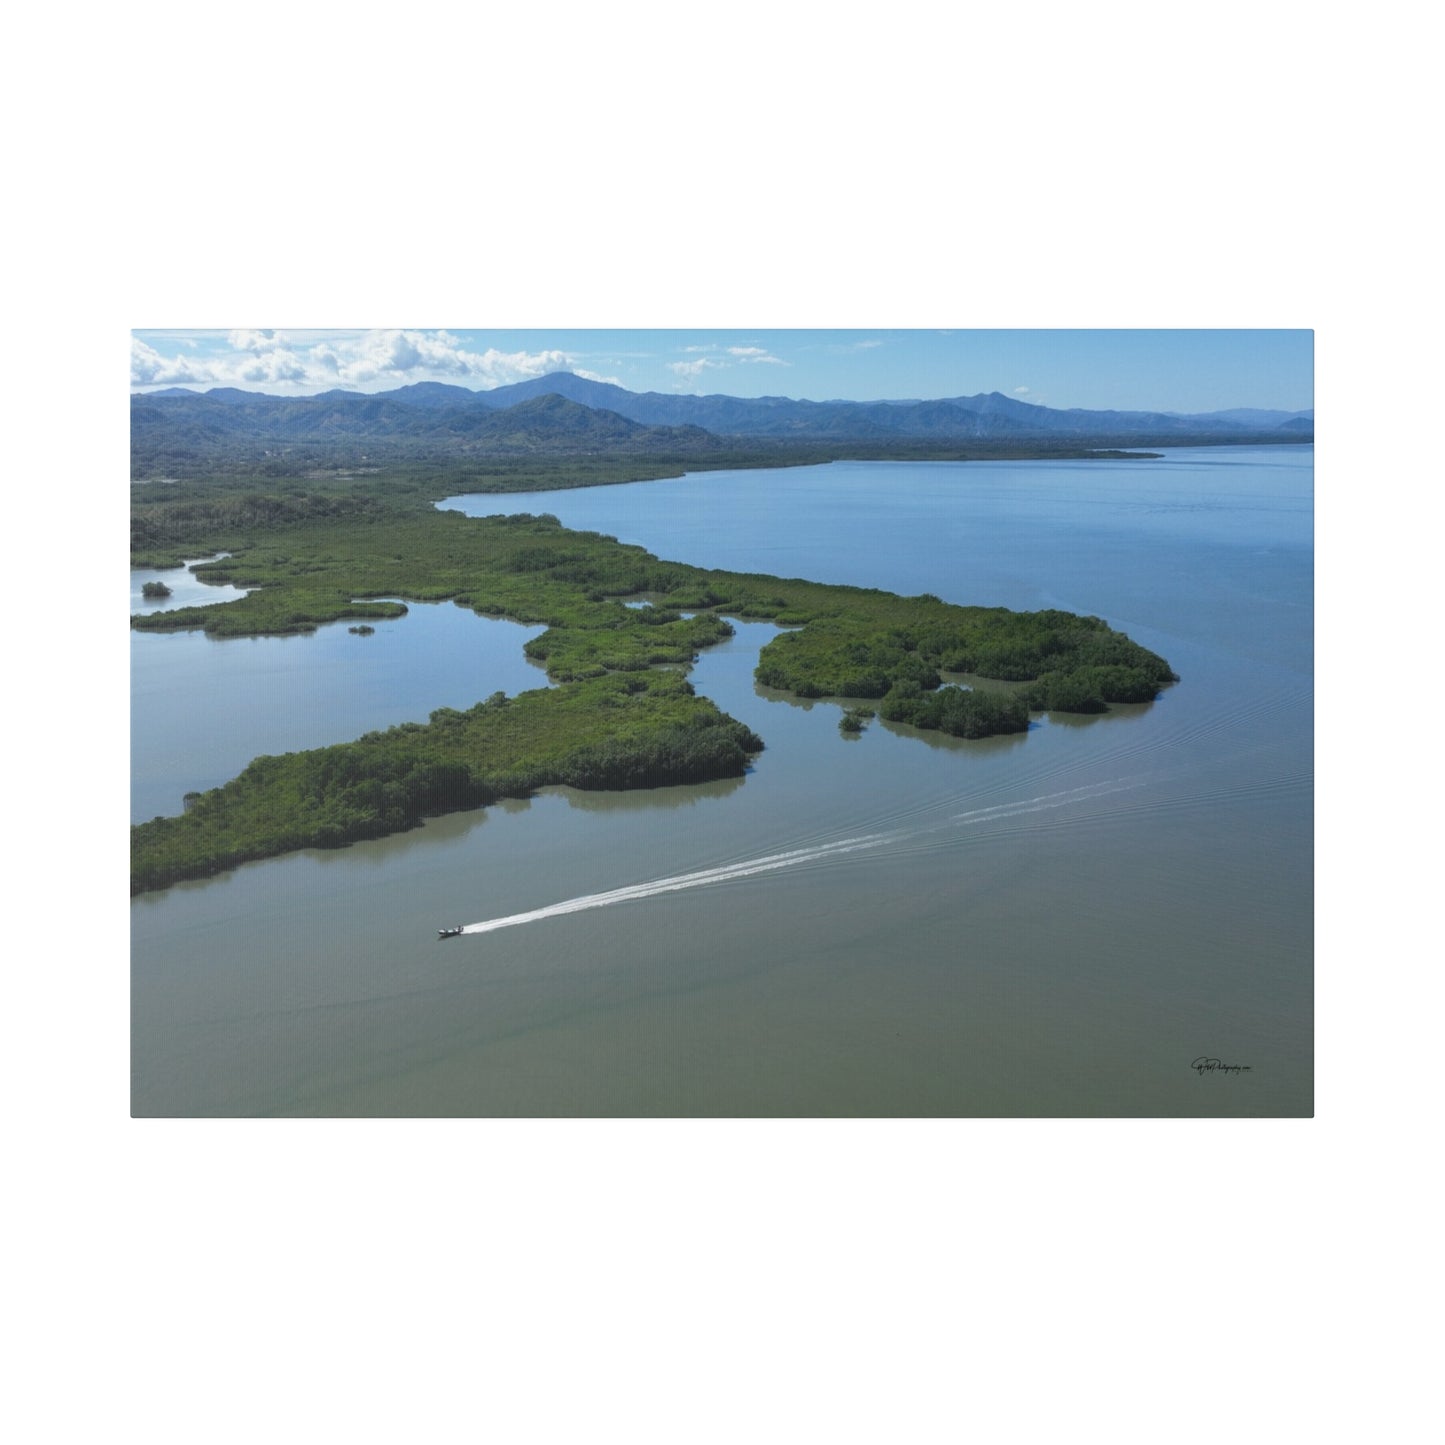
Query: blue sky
{"type": "Point", "coordinates": [1164, 370]}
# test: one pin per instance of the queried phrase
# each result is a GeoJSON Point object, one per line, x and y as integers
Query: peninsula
{"type": "Point", "coordinates": [621, 713]}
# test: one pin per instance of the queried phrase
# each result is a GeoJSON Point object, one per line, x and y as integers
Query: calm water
{"type": "Point", "coordinates": [202, 709]}
{"type": "Point", "coordinates": [1055, 924]}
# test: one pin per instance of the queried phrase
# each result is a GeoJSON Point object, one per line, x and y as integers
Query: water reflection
{"type": "Point", "coordinates": [184, 888]}
{"type": "Point", "coordinates": [683, 795]}
{"type": "Point", "coordinates": [203, 707]}
{"type": "Point", "coordinates": [380, 852]}
{"type": "Point", "coordinates": [1078, 719]}
{"type": "Point", "coordinates": [942, 742]}
{"type": "Point", "coordinates": [187, 589]}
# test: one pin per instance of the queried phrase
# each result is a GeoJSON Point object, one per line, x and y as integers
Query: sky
{"type": "Point", "coordinates": [1133, 370]}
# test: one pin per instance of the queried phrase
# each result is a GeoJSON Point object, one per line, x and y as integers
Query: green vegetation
{"type": "Point", "coordinates": [956, 710]}
{"type": "Point", "coordinates": [154, 591]}
{"type": "Point", "coordinates": [895, 648]}
{"type": "Point", "coordinates": [611, 732]}
{"type": "Point", "coordinates": [335, 549]}
{"type": "Point", "coordinates": [357, 459]}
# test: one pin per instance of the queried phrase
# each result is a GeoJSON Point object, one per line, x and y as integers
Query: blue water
{"type": "Point", "coordinates": [1059, 923]}
{"type": "Point", "coordinates": [202, 708]}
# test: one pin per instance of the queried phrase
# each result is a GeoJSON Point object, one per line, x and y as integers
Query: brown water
{"type": "Point", "coordinates": [1057, 924]}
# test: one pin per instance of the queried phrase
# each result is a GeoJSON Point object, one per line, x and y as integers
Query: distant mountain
{"type": "Point", "coordinates": [435, 394]}
{"type": "Point", "coordinates": [565, 413]}
{"type": "Point", "coordinates": [554, 421]}
{"type": "Point", "coordinates": [1250, 416]}
{"type": "Point", "coordinates": [185, 430]}
{"type": "Point", "coordinates": [986, 416]}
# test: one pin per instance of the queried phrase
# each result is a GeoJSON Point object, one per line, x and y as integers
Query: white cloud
{"type": "Point", "coordinates": [755, 353]}
{"type": "Point", "coordinates": [149, 368]}
{"type": "Point", "coordinates": [1021, 391]}
{"type": "Point", "coordinates": [707, 360]}
{"type": "Point", "coordinates": [848, 348]}
{"type": "Point", "coordinates": [411, 355]}
{"type": "Point", "coordinates": [274, 366]}
{"type": "Point", "coordinates": [253, 340]}
{"type": "Point", "coordinates": [593, 376]}
{"type": "Point", "coordinates": [366, 360]}
{"type": "Point", "coordinates": [503, 366]}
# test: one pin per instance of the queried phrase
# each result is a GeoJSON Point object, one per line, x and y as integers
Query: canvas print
{"type": "Point", "coordinates": [722, 723]}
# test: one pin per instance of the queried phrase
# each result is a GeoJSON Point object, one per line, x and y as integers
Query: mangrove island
{"type": "Point", "coordinates": [621, 713]}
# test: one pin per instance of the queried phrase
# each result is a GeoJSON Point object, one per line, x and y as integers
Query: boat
{"type": "Point", "coordinates": [448, 932]}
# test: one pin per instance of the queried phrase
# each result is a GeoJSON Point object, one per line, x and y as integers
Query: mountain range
{"type": "Point", "coordinates": [565, 413]}
{"type": "Point", "coordinates": [989, 415]}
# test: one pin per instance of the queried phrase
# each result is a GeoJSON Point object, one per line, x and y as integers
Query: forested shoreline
{"type": "Point", "coordinates": [342, 549]}
{"type": "Point", "coordinates": [641, 731]}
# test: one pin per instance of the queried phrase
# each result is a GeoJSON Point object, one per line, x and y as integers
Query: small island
{"type": "Point", "coordinates": [154, 591]}
{"type": "Point", "coordinates": [620, 714]}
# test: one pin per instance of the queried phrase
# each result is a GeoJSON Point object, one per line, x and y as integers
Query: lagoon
{"type": "Point", "coordinates": [1058, 923]}
{"type": "Point", "coordinates": [202, 707]}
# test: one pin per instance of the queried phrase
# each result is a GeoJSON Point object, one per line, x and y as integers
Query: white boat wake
{"type": "Point", "coordinates": [728, 873]}
{"type": "Point", "coordinates": [701, 879]}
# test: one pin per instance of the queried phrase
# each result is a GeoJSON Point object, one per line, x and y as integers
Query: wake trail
{"type": "Point", "coordinates": [703, 878]}
{"type": "Point", "coordinates": [793, 858]}
{"type": "Point", "coordinates": [1042, 803]}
